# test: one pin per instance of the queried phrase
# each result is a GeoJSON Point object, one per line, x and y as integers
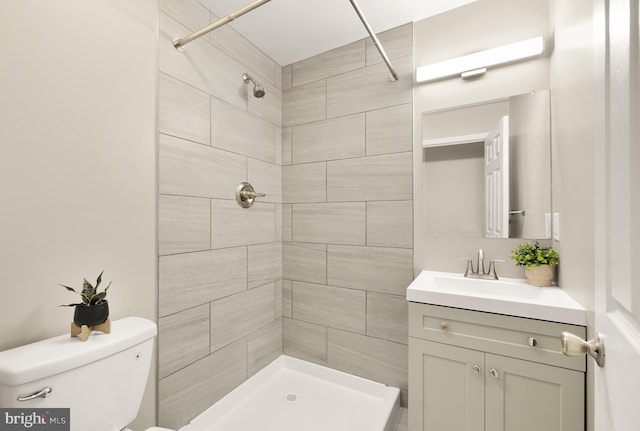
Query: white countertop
{"type": "Point", "coordinates": [509, 296]}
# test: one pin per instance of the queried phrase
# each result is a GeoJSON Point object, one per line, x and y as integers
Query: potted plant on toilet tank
{"type": "Point", "coordinates": [539, 262]}
{"type": "Point", "coordinates": [94, 308]}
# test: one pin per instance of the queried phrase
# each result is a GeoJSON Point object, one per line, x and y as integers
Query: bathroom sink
{"type": "Point", "coordinates": [505, 296]}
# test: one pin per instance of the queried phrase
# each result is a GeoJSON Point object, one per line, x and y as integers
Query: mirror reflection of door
{"type": "Point", "coordinates": [455, 201]}
{"type": "Point", "coordinates": [496, 181]}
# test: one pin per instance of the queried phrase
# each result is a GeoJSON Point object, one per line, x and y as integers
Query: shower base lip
{"type": "Point", "coordinates": [291, 394]}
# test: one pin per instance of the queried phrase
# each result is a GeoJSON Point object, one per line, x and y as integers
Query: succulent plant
{"type": "Point", "coordinates": [90, 295]}
{"type": "Point", "coordinates": [531, 254]}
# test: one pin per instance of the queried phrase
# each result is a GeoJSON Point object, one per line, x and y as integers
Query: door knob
{"type": "Point", "coordinates": [572, 345]}
{"type": "Point", "coordinates": [494, 373]}
{"type": "Point", "coordinates": [476, 369]}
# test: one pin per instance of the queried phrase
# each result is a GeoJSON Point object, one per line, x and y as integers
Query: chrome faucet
{"type": "Point", "coordinates": [479, 271]}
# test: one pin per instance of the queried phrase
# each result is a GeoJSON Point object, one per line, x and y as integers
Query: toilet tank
{"type": "Point", "coordinates": [101, 380]}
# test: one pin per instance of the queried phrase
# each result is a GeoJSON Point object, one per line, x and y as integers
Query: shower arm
{"type": "Point", "coordinates": [180, 43]}
{"type": "Point", "coordinates": [376, 42]}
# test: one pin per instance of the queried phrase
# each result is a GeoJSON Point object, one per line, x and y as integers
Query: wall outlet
{"type": "Point", "coordinates": [556, 226]}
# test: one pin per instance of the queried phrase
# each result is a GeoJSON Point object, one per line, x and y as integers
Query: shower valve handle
{"type": "Point", "coordinates": [245, 195]}
{"type": "Point", "coordinates": [251, 195]}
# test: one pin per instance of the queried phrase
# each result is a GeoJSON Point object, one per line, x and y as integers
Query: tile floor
{"type": "Point", "coordinates": [402, 424]}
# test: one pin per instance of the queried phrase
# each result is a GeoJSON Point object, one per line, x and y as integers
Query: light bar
{"type": "Point", "coordinates": [481, 59]}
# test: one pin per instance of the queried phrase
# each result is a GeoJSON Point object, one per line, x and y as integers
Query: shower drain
{"type": "Point", "coordinates": [291, 397]}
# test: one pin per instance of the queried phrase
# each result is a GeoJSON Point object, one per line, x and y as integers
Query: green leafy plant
{"type": "Point", "coordinates": [528, 255]}
{"type": "Point", "coordinates": [90, 295]}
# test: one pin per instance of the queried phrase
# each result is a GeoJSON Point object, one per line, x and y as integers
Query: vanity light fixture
{"type": "Point", "coordinates": [476, 64]}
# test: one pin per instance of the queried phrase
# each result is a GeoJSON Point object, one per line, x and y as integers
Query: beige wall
{"type": "Point", "coordinates": [220, 266]}
{"type": "Point", "coordinates": [442, 37]}
{"type": "Point", "coordinates": [77, 163]}
{"type": "Point", "coordinates": [573, 107]}
{"type": "Point", "coordinates": [347, 225]}
{"type": "Point", "coordinates": [573, 128]}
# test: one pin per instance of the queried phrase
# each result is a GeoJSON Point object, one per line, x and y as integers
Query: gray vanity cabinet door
{"type": "Point", "coordinates": [447, 390]}
{"type": "Point", "coordinates": [527, 396]}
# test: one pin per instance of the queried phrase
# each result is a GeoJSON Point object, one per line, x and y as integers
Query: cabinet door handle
{"type": "Point", "coordinates": [444, 326]}
{"type": "Point", "coordinates": [494, 373]}
{"type": "Point", "coordinates": [532, 342]}
{"type": "Point", "coordinates": [476, 369]}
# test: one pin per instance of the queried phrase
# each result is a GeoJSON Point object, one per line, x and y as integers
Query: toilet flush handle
{"type": "Point", "coordinates": [42, 393]}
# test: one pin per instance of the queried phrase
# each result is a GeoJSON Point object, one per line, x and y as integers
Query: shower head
{"type": "Point", "coordinates": [258, 90]}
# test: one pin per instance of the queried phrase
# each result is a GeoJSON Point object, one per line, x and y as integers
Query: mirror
{"type": "Point", "coordinates": [486, 169]}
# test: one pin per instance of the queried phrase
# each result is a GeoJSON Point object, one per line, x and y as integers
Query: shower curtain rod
{"type": "Point", "coordinates": [376, 42]}
{"type": "Point", "coordinates": [180, 43]}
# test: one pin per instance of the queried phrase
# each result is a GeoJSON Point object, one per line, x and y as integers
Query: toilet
{"type": "Point", "coordinates": [101, 381]}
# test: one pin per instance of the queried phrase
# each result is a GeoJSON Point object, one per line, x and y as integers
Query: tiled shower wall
{"type": "Point", "coordinates": [347, 208]}
{"type": "Point", "coordinates": [220, 266]}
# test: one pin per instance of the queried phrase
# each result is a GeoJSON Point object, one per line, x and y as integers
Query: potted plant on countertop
{"type": "Point", "coordinates": [93, 312]}
{"type": "Point", "coordinates": [539, 262]}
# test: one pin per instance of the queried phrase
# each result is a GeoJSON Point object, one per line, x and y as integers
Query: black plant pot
{"type": "Point", "coordinates": [91, 315]}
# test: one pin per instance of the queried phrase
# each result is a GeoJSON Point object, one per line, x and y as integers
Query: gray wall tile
{"type": "Point", "coordinates": [278, 299]}
{"type": "Point", "coordinates": [379, 360]}
{"type": "Point", "coordinates": [375, 269]}
{"type": "Point", "coordinates": [201, 65]}
{"type": "Point", "coordinates": [287, 222]}
{"type": "Point", "coordinates": [397, 42]}
{"type": "Point", "coordinates": [387, 317]}
{"type": "Point", "coordinates": [263, 346]}
{"type": "Point", "coordinates": [390, 130]}
{"type": "Point", "coordinates": [265, 178]}
{"type": "Point", "coordinates": [343, 59]}
{"type": "Point", "coordinates": [232, 225]}
{"type": "Point", "coordinates": [304, 103]}
{"type": "Point", "coordinates": [386, 177]}
{"type": "Point", "coordinates": [183, 338]}
{"type": "Point", "coordinates": [190, 13]}
{"type": "Point", "coordinates": [334, 223]}
{"type": "Point", "coordinates": [286, 145]}
{"type": "Point", "coordinates": [183, 224]}
{"type": "Point", "coordinates": [279, 222]}
{"type": "Point", "coordinates": [211, 378]}
{"type": "Point", "coordinates": [369, 89]}
{"type": "Point", "coordinates": [236, 316]}
{"type": "Point", "coordinates": [203, 100]}
{"type": "Point", "coordinates": [184, 111]}
{"type": "Point", "coordinates": [390, 224]}
{"type": "Point", "coordinates": [265, 264]}
{"type": "Point", "coordinates": [329, 140]}
{"type": "Point", "coordinates": [279, 146]}
{"type": "Point", "coordinates": [279, 78]}
{"type": "Point", "coordinates": [287, 77]}
{"type": "Point", "coordinates": [257, 63]}
{"type": "Point", "coordinates": [305, 183]}
{"type": "Point", "coordinates": [287, 298]}
{"type": "Point", "coordinates": [269, 107]}
{"type": "Point", "coordinates": [241, 132]}
{"type": "Point", "coordinates": [305, 262]}
{"type": "Point", "coordinates": [329, 306]}
{"type": "Point", "coordinates": [191, 279]}
{"type": "Point", "coordinates": [190, 169]}
{"type": "Point", "coordinates": [305, 341]}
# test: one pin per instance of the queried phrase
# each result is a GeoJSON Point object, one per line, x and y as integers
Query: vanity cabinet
{"type": "Point", "coordinates": [476, 371]}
